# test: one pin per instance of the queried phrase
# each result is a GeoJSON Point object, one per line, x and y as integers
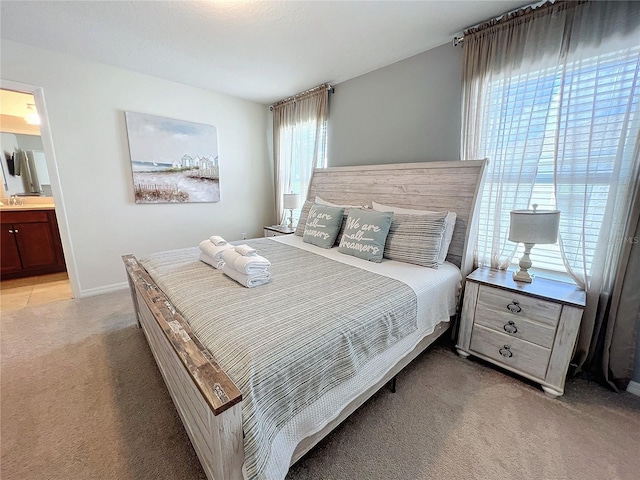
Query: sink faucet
{"type": "Point", "coordinates": [14, 200]}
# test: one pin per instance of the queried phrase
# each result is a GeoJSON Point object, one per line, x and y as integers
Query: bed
{"type": "Point", "coordinates": [235, 429]}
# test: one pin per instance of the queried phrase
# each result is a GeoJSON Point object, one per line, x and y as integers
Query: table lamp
{"type": "Point", "coordinates": [291, 202]}
{"type": "Point", "coordinates": [532, 227]}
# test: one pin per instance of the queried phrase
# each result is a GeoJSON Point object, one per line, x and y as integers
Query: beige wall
{"type": "Point", "coordinates": [85, 103]}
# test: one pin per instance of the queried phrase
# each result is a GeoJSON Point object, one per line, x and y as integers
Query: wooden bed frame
{"type": "Point", "coordinates": [207, 400]}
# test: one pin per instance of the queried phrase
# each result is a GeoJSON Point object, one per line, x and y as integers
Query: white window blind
{"type": "Point", "coordinates": [302, 138]}
{"type": "Point", "coordinates": [577, 113]}
{"type": "Point", "coordinates": [303, 141]}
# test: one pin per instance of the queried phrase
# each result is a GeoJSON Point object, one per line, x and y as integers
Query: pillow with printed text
{"type": "Point", "coordinates": [365, 234]}
{"type": "Point", "coordinates": [322, 225]}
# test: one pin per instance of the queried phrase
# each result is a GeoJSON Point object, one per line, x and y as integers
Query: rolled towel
{"type": "Point", "coordinates": [210, 261]}
{"type": "Point", "coordinates": [214, 252]}
{"type": "Point", "coordinates": [248, 281]}
{"type": "Point", "coordinates": [251, 265]}
{"type": "Point", "coordinates": [246, 265]}
{"type": "Point", "coordinates": [217, 240]}
{"type": "Point", "coordinates": [246, 250]}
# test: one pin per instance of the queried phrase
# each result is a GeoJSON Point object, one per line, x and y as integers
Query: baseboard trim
{"type": "Point", "coordinates": [91, 292]}
{"type": "Point", "coordinates": [634, 388]}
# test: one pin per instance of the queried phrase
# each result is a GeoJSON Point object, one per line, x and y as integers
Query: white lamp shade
{"type": "Point", "coordinates": [534, 226]}
{"type": "Point", "coordinates": [291, 201]}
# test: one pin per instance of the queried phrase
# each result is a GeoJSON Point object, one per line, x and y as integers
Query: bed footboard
{"type": "Point", "coordinates": [207, 400]}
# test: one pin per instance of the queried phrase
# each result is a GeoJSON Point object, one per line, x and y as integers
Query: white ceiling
{"type": "Point", "coordinates": [258, 50]}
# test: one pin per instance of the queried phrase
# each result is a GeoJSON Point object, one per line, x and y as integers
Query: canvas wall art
{"type": "Point", "coordinates": [173, 161]}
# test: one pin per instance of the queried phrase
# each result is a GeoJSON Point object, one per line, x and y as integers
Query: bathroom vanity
{"type": "Point", "coordinates": [30, 242]}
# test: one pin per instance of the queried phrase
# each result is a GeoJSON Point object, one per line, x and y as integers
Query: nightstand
{"type": "Point", "coordinates": [527, 328]}
{"type": "Point", "coordinates": [277, 230]}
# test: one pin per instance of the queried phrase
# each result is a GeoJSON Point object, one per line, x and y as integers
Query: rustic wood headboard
{"type": "Point", "coordinates": [437, 186]}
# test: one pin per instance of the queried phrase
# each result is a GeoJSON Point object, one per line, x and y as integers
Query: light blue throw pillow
{"type": "Point", "coordinates": [322, 226]}
{"type": "Point", "coordinates": [365, 234]}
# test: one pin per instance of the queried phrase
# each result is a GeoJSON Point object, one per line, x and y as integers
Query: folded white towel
{"type": "Point", "coordinates": [229, 256]}
{"type": "Point", "coordinates": [246, 265]}
{"type": "Point", "coordinates": [214, 252]}
{"type": "Point", "coordinates": [251, 265]}
{"type": "Point", "coordinates": [246, 250]}
{"type": "Point", "coordinates": [217, 240]}
{"type": "Point", "coordinates": [249, 281]}
{"type": "Point", "coordinates": [210, 261]}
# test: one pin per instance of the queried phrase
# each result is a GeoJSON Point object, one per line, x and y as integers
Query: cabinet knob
{"type": "Point", "coordinates": [10, 231]}
{"type": "Point", "coordinates": [510, 327]}
{"type": "Point", "coordinates": [506, 352]}
{"type": "Point", "coordinates": [514, 307]}
{"type": "Point", "coordinates": [16, 230]}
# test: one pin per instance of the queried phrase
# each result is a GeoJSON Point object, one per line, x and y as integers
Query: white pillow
{"type": "Point", "coordinates": [449, 221]}
{"type": "Point", "coordinates": [320, 201]}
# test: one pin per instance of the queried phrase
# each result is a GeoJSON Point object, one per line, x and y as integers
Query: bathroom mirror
{"type": "Point", "coordinates": [24, 168]}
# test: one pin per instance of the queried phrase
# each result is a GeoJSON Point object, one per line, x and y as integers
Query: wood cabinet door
{"type": "Point", "coordinates": [36, 244]}
{"type": "Point", "coordinates": [9, 256]}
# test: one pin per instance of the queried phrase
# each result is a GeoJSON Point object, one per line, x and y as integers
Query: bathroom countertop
{"type": "Point", "coordinates": [32, 206]}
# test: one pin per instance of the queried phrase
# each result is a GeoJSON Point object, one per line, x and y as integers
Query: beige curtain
{"type": "Point", "coordinates": [618, 352]}
{"type": "Point", "coordinates": [539, 85]}
{"type": "Point", "coordinates": [299, 142]}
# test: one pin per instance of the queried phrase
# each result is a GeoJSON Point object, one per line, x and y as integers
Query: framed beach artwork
{"type": "Point", "coordinates": [172, 161]}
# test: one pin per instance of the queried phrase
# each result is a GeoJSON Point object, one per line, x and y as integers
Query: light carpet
{"type": "Point", "coordinates": [81, 398]}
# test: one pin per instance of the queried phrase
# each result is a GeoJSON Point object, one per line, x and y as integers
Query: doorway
{"type": "Point", "coordinates": [43, 191]}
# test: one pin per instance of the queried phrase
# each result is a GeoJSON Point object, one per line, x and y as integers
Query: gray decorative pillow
{"type": "Point", "coordinates": [322, 226]}
{"type": "Point", "coordinates": [302, 221]}
{"type": "Point", "coordinates": [416, 239]}
{"type": "Point", "coordinates": [365, 234]}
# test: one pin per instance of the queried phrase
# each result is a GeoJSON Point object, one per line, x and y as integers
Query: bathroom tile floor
{"type": "Point", "coordinates": [20, 292]}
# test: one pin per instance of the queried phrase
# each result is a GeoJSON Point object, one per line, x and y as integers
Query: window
{"type": "Point", "coordinates": [300, 134]}
{"type": "Point", "coordinates": [303, 141]}
{"type": "Point", "coordinates": [567, 126]}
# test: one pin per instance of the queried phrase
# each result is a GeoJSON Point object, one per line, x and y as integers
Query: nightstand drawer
{"type": "Point", "coordinates": [509, 305]}
{"type": "Point", "coordinates": [509, 351]}
{"type": "Point", "coordinates": [515, 326]}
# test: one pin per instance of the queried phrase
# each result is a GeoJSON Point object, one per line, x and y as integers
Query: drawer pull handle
{"type": "Point", "coordinates": [514, 307]}
{"type": "Point", "coordinates": [506, 351]}
{"type": "Point", "coordinates": [510, 327]}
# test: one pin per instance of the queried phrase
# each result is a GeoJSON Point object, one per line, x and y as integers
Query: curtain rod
{"type": "Point", "coordinates": [504, 17]}
{"type": "Point", "coordinates": [326, 86]}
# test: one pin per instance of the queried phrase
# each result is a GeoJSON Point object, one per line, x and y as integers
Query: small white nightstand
{"type": "Point", "coordinates": [527, 328]}
{"type": "Point", "coordinates": [277, 230]}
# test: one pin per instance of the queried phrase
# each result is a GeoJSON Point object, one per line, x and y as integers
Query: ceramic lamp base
{"type": "Point", "coordinates": [290, 219]}
{"type": "Point", "coordinates": [523, 275]}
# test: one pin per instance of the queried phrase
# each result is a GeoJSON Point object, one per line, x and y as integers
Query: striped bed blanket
{"type": "Point", "coordinates": [285, 343]}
